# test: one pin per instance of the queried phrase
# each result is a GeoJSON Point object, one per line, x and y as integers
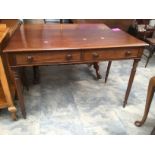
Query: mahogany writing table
{"type": "Point", "coordinates": [47, 44]}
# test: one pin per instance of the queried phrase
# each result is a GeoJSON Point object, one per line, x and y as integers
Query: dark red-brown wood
{"type": "Point", "coordinates": [49, 37]}
{"type": "Point", "coordinates": [46, 44]}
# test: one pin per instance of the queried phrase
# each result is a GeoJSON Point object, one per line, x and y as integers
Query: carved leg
{"type": "Point", "coordinates": [107, 72]}
{"type": "Point", "coordinates": [19, 91]}
{"type": "Point", "coordinates": [132, 75]}
{"type": "Point", "coordinates": [36, 75]}
{"type": "Point", "coordinates": [150, 93]}
{"type": "Point", "coordinates": [96, 66]}
{"type": "Point", "coordinates": [13, 112]}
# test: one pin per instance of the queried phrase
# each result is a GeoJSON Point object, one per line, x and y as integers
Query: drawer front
{"type": "Point", "coordinates": [114, 54]}
{"type": "Point", "coordinates": [47, 57]}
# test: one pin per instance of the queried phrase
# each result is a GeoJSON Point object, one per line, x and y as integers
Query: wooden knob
{"type": "Point", "coordinates": [95, 55]}
{"type": "Point", "coordinates": [128, 53]}
{"type": "Point", "coordinates": [29, 59]}
{"type": "Point", "coordinates": [69, 56]}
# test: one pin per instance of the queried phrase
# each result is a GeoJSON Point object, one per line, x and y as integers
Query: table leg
{"type": "Point", "coordinates": [36, 74]}
{"type": "Point", "coordinates": [132, 75]}
{"type": "Point", "coordinates": [18, 84]}
{"type": "Point", "coordinates": [24, 78]}
{"type": "Point", "coordinates": [150, 94]}
{"type": "Point", "coordinates": [107, 72]}
{"type": "Point", "coordinates": [96, 66]}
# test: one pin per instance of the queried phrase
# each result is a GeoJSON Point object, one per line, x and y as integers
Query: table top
{"type": "Point", "coordinates": [51, 37]}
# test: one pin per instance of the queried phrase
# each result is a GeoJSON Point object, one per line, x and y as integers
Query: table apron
{"type": "Point", "coordinates": [71, 57]}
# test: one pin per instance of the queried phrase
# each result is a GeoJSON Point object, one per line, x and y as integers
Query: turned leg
{"type": "Point", "coordinates": [13, 110]}
{"type": "Point", "coordinates": [17, 80]}
{"type": "Point", "coordinates": [150, 93]}
{"type": "Point", "coordinates": [24, 78]}
{"type": "Point", "coordinates": [96, 66]}
{"type": "Point", "coordinates": [107, 72]}
{"type": "Point", "coordinates": [36, 75]}
{"type": "Point", "coordinates": [132, 75]}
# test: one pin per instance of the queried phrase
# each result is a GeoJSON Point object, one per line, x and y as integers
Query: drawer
{"type": "Point", "coordinates": [114, 54]}
{"type": "Point", "coordinates": [47, 57]}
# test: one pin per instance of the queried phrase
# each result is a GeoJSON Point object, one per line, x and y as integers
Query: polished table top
{"type": "Point", "coordinates": [43, 37]}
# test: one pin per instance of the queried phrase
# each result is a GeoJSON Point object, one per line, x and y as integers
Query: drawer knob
{"type": "Point", "coordinates": [29, 59]}
{"type": "Point", "coordinates": [128, 53]}
{"type": "Point", "coordinates": [68, 56]}
{"type": "Point", "coordinates": [95, 55]}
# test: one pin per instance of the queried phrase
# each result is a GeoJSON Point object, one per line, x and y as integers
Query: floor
{"type": "Point", "coordinates": [70, 101]}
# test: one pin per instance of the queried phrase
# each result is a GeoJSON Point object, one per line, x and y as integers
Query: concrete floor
{"type": "Point", "coordinates": [69, 100]}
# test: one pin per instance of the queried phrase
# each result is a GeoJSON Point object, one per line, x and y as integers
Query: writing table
{"type": "Point", "coordinates": [48, 44]}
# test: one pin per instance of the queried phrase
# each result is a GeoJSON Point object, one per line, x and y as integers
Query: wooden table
{"type": "Point", "coordinates": [47, 44]}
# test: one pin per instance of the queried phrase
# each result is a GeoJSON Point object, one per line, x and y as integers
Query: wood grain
{"type": "Point", "coordinates": [35, 37]}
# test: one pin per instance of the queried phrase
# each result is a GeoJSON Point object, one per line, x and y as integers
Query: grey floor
{"type": "Point", "coordinates": [69, 100]}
